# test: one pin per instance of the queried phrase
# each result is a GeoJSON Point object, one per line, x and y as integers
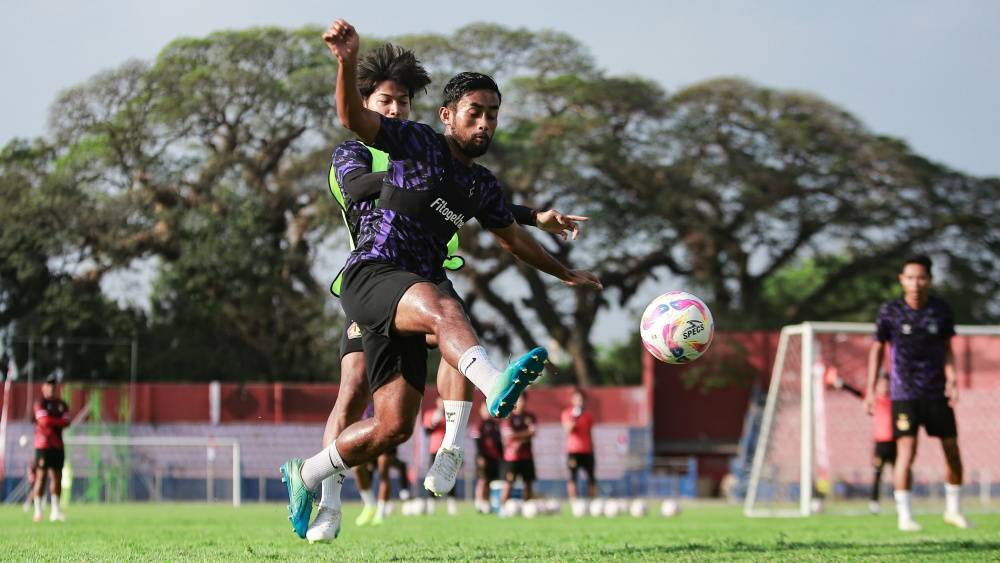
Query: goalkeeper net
{"type": "Point", "coordinates": [815, 448]}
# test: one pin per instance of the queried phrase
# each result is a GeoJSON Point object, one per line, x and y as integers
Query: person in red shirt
{"type": "Point", "coordinates": [434, 426]}
{"type": "Point", "coordinates": [517, 454]}
{"type": "Point", "coordinates": [51, 415]}
{"type": "Point", "coordinates": [885, 444]}
{"type": "Point", "coordinates": [489, 449]}
{"type": "Point", "coordinates": [579, 424]}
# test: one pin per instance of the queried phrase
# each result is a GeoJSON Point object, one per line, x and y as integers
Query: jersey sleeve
{"type": "Point", "coordinates": [494, 212]}
{"type": "Point", "coordinates": [404, 139]}
{"type": "Point", "coordinates": [883, 324]}
{"type": "Point", "coordinates": [349, 157]}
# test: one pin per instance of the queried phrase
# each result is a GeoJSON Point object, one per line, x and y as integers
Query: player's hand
{"type": "Point", "coordinates": [951, 391]}
{"type": "Point", "coordinates": [584, 278]}
{"type": "Point", "coordinates": [870, 403]}
{"type": "Point", "coordinates": [566, 226]}
{"type": "Point", "coordinates": [343, 40]}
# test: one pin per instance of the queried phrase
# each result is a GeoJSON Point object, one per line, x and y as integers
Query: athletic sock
{"type": "Point", "coordinates": [330, 496]}
{"type": "Point", "coordinates": [380, 509]}
{"type": "Point", "coordinates": [367, 497]}
{"type": "Point", "coordinates": [952, 496]}
{"type": "Point", "coordinates": [326, 463]}
{"type": "Point", "coordinates": [55, 505]}
{"type": "Point", "coordinates": [475, 364]}
{"type": "Point", "coordinates": [38, 505]}
{"type": "Point", "coordinates": [456, 418]}
{"type": "Point", "coordinates": [903, 510]}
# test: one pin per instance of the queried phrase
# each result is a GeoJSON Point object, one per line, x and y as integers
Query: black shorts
{"type": "Point", "coordinates": [350, 342]}
{"type": "Point", "coordinates": [885, 452]}
{"type": "Point", "coordinates": [576, 462]}
{"type": "Point", "coordinates": [50, 458]}
{"type": "Point", "coordinates": [933, 414]}
{"type": "Point", "coordinates": [487, 468]}
{"type": "Point", "coordinates": [524, 468]}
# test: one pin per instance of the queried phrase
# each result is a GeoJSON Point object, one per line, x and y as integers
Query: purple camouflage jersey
{"type": "Point", "coordinates": [419, 161]}
{"type": "Point", "coordinates": [348, 157]}
{"type": "Point", "coordinates": [919, 339]}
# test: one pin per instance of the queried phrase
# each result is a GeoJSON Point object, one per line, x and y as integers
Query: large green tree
{"type": "Point", "coordinates": [209, 166]}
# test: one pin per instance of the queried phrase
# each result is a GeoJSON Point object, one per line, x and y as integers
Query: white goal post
{"type": "Point", "coordinates": [788, 431]}
{"type": "Point", "coordinates": [153, 444]}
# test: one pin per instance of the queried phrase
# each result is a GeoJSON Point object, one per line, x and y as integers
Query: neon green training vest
{"type": "Point", "coordinates": [380, 163]}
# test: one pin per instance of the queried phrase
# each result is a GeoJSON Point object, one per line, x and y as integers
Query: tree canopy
{"type": "Point", "coordinates": [208, 166]}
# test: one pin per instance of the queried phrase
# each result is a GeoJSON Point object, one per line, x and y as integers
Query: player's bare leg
{"type": "Point", "coordinates": [38, 492]}
{"type": "Point", "coordinates": [906, 447]}
{"type": "Point", "coordinates": [55, 492]}
{"type": "Point", "coordinates": [384, 488]}
{"type": "Point", "coordinates": [953, 486]}
{"type": "Point", "coordinates": [457, 395]}
{"type": "Point", "coordinates": [352, 399]}
{"type": "Point", "coordinates": [425, 309]}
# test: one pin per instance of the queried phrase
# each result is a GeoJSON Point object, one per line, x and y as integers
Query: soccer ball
{"type": "Point", "coordinates": [529, 509]}
{"type": "Point", "coordinates": [670, 508]}
{"type": "Point", "coordinates": [579, 508]}
{"type": "Point", "coordinates": [611, 508]}
{"type": "Point", "coordinates": [596, 507]}
{"type": "Point", "coordinates": [638, 508]}
{"type": "Point", "coordinates": [677, 327]}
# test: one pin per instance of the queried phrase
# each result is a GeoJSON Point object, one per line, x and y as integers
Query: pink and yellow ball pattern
{"type": "Point", "coordinates": [677, 327]}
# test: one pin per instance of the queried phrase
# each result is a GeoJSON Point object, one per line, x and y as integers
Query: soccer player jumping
{"type": "Point", "coordinates": [389, 286]}
{"type": "Point", "coordinates": [923, 384]}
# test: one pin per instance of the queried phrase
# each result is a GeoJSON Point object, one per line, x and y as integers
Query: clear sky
{"type": "Point", "coordinates": [926, 71]}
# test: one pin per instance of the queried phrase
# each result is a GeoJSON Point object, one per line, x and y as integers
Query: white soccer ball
{"type": "Point", "coordinates": [638, 508]}
{"type": "Point", "coordinates": [670, 508]}
{"type": "Point", "coordinates": [429, 506]}
{"type": "Point", "coordinates": [579, 508]}
{"type": "Point", "coordinates": [512, 507]}
{"type": "Point", "coordinates": [407, 508]}
{"type": "Point", "coordinates": [677, 327]}
{"type": "Point", "coordinates": [596, 507]}
{"type": "Point", "coordinates": [552, 506]}
{"type": "Point", "coordinates": [529, 509]}
{"type": "Point", "coordinates": [611, 508]}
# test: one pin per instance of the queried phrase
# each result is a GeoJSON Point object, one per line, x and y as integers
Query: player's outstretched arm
{"type": "Point", "coordinates": [518, 242]}
{"type": "Point", "coordinates": [343, 41]}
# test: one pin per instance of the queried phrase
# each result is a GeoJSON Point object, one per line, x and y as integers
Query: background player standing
{"type": "Point", "coordinates": [518, 454]}
{"type": "Point", "coordinates": [51, 416]}
{"type": "Point", "coordinates": [579, 424]}
{"type": "Point", "coordinates": [923, 384]}
{"type": "Point", "coordinates": [489, 450]}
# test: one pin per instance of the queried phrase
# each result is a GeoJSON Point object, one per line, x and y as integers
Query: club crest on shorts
{"type": "Point", "coordinates": [353, 331]}
{"type": "Point", "coordinates": [903, 422]}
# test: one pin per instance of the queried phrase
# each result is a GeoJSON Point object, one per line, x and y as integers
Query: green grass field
{"type": "Point", "coordinates": [143, 532]}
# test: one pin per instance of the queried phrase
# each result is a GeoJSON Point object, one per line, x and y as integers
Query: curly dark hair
{"type": "Point", "coordinates": [465, 82]}
{"type": "Point", "coordinates": [921, 259]}
{"type": "Point", "coordinates": [391, 62]}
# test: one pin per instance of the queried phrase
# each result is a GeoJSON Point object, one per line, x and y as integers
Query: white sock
{"type": "Point", "coordinates": [475, 364]}
{"type": "Point", "coordinates": [380, 508]}
{"type": "Point", "coordinates": [38, 505]}
{"type": "Point", "coordinates": [456, 418]}
{"type": "Point", "coordinates": [952, 496]}
{"type": "Point", "coordinates": [367, 497]}
{"type": "Point", "coordinates": [326, 463]}
{"type": "Point", "coordinates": [55, 505]}
{"type": "Point", "coordinates": [330, 497]}
{"type": "Point", "coordinates": [903, 510]}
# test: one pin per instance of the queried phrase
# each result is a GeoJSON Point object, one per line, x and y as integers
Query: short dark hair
{"type": "Point", "coordinates": [921, 259]}
{"type": "Point", "coordinates": [391, 62]}
{"type": "Point", "coordinates": [465, 82]}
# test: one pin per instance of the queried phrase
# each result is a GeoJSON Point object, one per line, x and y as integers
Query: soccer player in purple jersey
{"type": "Point", "coordinates": [389, 77]}
{"type": "Point", "coordinates": [923, 384]}
{"type": "Point", "coordinates": [432, 186]}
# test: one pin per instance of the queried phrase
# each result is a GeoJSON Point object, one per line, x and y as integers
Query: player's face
{"type": "Point", "coordinates": [48, 390]}
{"type": "Point", "coordinates": [915, 280]}
{"type": "Point", "coordinates": [390, 99]}
{"type": "Point", "coordinates": [472, 121]}
{"type": "Point", "coordinates": [577, 400]}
